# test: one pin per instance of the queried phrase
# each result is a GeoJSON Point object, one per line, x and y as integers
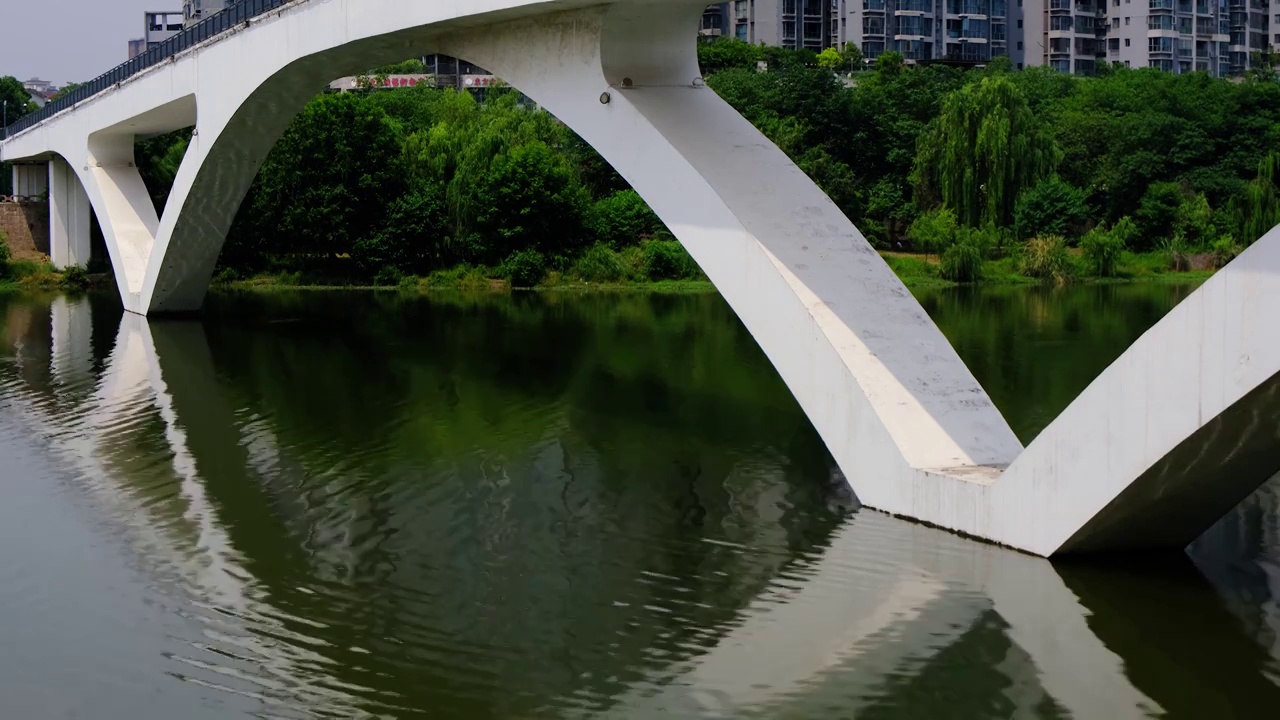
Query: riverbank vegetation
{"type": "Point", "coordinates": [27, 274]}
{"type": "Point", "coordinates": [956, 175]}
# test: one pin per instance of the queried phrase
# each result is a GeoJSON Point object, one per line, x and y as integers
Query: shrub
{"type": "Point", "coordinates": [1102, 249]}
{"type": "Point", "coordinates": [1157, 212]}
{"type": "Point", "coordinates": [599, 264]}
{"type": "Point", "coordinates": [962, 262]}
{"type": "Point", "coordinates": [225, 276]}
{"type": "Point", "coordinates": [524, 268]}
{"type": "Point", "coordinates": [1046, 258]}
{"type": "Point", "coordinates": [668, 260]}
{"type": "Point", "coordinates": [933, 231]}
{"type": "Point", "coordinates": [621, 219]}
{"type": "Point", "coordinates": [1174, 247]}
{"type": "Point", "coordinates": [407, 284]}
{"type": "Point", "coordinates": [1051, 207]}
{"type": "Point", "coordinates": [75, 278]}
{"type": "Point", "coordinates": [1194, 220]}
{"type": "Point", "coordinates": [1224, 250]}
{"type": "Point", "coordinates": [388, 276]}
{"type": "Point", "coordinates": [634, 262]}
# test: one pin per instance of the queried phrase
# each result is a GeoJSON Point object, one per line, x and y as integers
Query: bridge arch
{"type": "Point", "coordinates": [625, 77]}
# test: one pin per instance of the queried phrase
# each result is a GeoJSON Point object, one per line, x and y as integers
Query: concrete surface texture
{"type": "Point", "coordinates": [1138, 460]}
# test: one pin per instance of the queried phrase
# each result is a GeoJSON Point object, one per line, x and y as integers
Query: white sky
{"type": "Point", "coordinates": [70, 40]}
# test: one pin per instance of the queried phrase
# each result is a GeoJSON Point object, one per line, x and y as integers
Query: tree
{"type": "Point", "coordinates": [16, 99]}
{"type": "Point", "coordinates": [982, 151]}
{"type": "Point", "coordinates": [66, 89]}
{"type": "Point", "coordinates": [852, 55]}
{"type": "Point", "coordinates": [327, 182]}
{"type": "Point", "coordinates": [412, 66]}
{"type": "Point", "coordinates": [1257, 209]}
{"type": "Point", "coordinates": [1157, 213]}
{"type": "Point", "coordinates": [1263, 66]}
{"type": "Point", "coordinates": [934, 231]}
{"type": "Point", "coordinates": [528, 199]}
{"type": "Point", "coordinates": [728, 53]}
{"type": "Point", "coordinates": [830, 59]}
{"type": "Point", "coordinates": [411, 238]}
{"type": "Point", "coordinates": [1051, 207]}
{"type": "Point", "coordinates": [158, 159]}
{"type": "Point", "coordinates": [1193, 220]}
{"type": "Point", "coordinates": [621, 219]}
{"type": "Point", "coordinates": [890, 63]}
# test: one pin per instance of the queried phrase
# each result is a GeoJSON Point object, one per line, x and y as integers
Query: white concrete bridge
{"type": "Point", "coordinates": [1169, 438]}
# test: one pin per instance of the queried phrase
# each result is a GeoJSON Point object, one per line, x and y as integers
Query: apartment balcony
{"type": "Point", "coordinates": [1161, 5]}
{"type": "Point", "coordinates": [1060, 7]}
{"type": "Point", "coordinates": [913, 7]}
{"type": "Point", "coordinates": [969, 9]}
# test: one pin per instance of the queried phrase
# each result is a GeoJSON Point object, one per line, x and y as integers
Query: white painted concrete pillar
{"type": "Point", "coordinates": [30, 180]}
{"type": "Point", "coordinates": [68, 217]}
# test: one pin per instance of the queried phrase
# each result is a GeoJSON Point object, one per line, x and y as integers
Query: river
{"type": "Point", "coordinates": [327, 504]}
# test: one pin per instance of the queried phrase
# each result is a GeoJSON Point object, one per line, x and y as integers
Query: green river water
{"type": "Point", "coordinates": [329, 504]}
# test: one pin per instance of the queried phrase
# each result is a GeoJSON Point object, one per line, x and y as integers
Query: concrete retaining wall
{"type": "Point", "coordinates": [26, 227]}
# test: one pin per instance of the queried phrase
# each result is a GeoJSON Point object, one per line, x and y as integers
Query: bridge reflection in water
{"type": "Point", "coordinates": [500, 597]}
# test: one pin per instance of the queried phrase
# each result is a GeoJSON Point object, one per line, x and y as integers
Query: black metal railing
{"type": "Point", "coordinates": [232, 17]}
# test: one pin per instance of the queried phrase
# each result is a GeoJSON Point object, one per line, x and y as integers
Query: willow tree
{"type": "Point", "coordinates": [983, 149]}
{"type": "Point", "coordinates": [1257, 210]}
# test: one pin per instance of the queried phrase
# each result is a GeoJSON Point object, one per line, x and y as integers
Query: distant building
{"type": "Point", "coordinates": [193, 11]}
{"type": "Point", "coordinates": [962, 32]}
{"type": "Point", "coordinates": [39, 87]}
{"type": "Point", "coordinates": [156, 28]}
{"type": "Point", "coordinates": [792, 24]}
{"type": "Point", "coordinates": [442, 71]}
{"type": "Point", "coordinates": [1178, 36]}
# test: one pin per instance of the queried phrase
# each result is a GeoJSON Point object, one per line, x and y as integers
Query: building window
{"type": "Point", "coordinates": [1126, 42]}
{"type": "Point", "coordinates": [1019, 44]}
{"type": "Point", "coordinates": [1019, 23]}
{"type": "Point", "coordinates": [1115, 22]}
{"type": "Point", "coordinates": [1126, 21]}
{"type": "Point", "coordinates": [1019, 64]}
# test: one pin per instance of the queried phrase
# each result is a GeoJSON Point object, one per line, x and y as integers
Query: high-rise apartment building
{"type": "Point", "coordinates": [793, 24]}
{"type": "Point", "coordinates": [1072, 36]}
{"type": "Point", "coordinates": [958, 31]}
{"type": "Point", "coordinates": [1178, 36]}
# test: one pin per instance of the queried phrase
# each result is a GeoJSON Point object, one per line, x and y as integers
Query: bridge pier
{"type": "Point", "coordinates": [30, 179]}
{"type": "Point", "coordinates": [68, 217]}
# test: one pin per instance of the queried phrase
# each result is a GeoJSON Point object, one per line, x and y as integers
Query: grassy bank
{"type": "Point", "coordinates": [1158, 266]}
{"type": "Point", "coordinates": [915, 270]}
{"type": "Point", "coordinates": [36, 275]}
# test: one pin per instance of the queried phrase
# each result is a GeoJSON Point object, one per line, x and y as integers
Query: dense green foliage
{"type": "Point", "coordinates": [386, 184]}
{"type": "Point", "coordinates": [4, 256]}
{"type": "Point", "coordinates": [16, 100]}
{"type": "Point", "coordinates": [982, 151]}
{"type": "Point", "coordinates": [16, 104]}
